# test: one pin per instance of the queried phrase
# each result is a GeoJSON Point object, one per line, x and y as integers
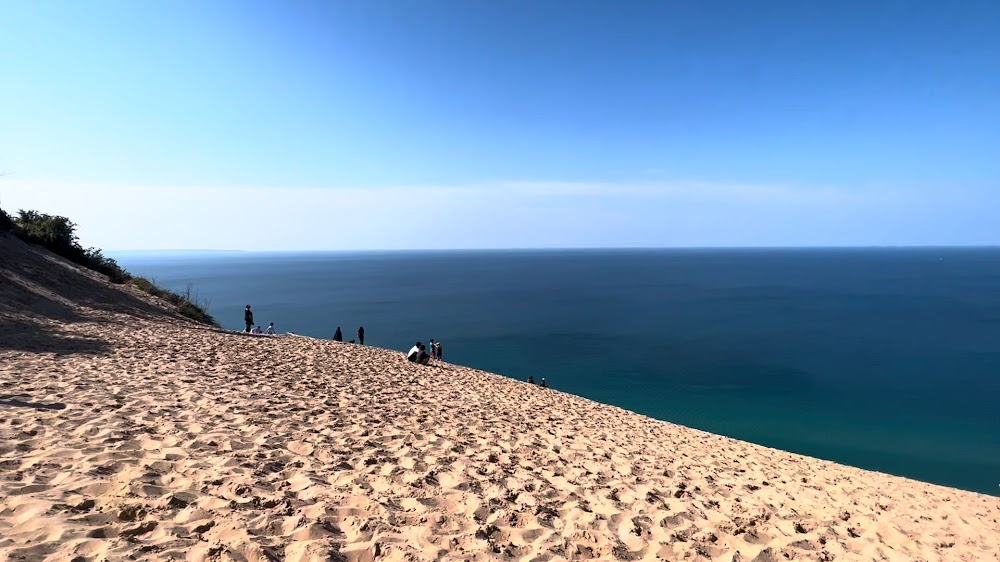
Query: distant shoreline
{"type": "Point", "coordinates": [160, 252]}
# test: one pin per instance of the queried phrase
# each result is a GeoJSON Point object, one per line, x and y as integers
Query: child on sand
{"type": "Point", "coordinates": [270, 329]}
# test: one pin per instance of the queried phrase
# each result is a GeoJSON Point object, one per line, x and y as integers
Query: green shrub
{"type": "Point", "coordinates": [96, 260]}
{"type": "Point", "coordinates": [144, 285]}
{"type": "Point", "coordinates": [56, 233]}
{"type": "Point", "coordinates": [196, 312]}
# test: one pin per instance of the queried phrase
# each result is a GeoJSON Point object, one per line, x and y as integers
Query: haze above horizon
{"type": "Point", "coordinates": [304, 126]}
{"type": "Point", "coordinates": [140, 253]}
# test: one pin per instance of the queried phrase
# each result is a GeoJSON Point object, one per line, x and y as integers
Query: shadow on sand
{"type": "Point", "coordinates": [12, 400]}
{"type": "Point", "coordinates": [39, 291]}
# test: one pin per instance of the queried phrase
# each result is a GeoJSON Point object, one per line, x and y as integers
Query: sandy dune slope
{"type": "Point", "coordinates": [127, 433]}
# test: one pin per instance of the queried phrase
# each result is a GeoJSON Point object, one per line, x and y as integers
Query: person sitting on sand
{"type": "Point", "coordinates": [543, 384]}
{"type": "Point", "coordinates": [270, 329]}
{"type": "Point", "coordinates": [531, 379]}
{"type": "Point", "coordinates": [257, 330]}
{"type": "Point", "coordinates": [248, 318]}
{"type": "Point", "coordinates": [418, 354]}
{"type": "Point", "coordinates": [338, 336]}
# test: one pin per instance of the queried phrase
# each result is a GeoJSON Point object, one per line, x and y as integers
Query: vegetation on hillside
{"type": "Point", "coordinates": [6, 223]}
{"type": "Point", "coordinates": [188, 303]}
{"type": "Point", "coordinates": [58, 235]}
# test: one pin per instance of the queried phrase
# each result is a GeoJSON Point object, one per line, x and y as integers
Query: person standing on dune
{"type": "Point", "coordinates": [248, 318]}
{"type": "Point", "coordinates": [361, 335]}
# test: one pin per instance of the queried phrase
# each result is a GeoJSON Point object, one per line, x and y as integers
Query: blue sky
{"type": "Point", "coordinates": [355, 125]}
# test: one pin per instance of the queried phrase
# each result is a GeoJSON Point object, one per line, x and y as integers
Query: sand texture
{"type": "Point", "coordinates": [127, 433]}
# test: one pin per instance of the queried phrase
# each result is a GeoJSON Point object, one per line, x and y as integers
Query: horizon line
{"type": "Point", "coordinates": [565, 248]}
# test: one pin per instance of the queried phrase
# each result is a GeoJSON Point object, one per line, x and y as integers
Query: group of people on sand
{"type": "Point", "coordinates": [543, 384]}
{"type": "Point", "coordinates": [251, 329]}
{"type": "Point", "coordinates": [418, 353]}
{"type": "Point", "coordinates": [436, 350]}
{"type": "Point", "coordinates": [248, 318]}
{"type": "Point", "coordinates": [339, 336]}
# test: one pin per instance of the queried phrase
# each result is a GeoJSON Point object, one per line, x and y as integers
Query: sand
{"type": "Point", "coordinates": [127, 433]}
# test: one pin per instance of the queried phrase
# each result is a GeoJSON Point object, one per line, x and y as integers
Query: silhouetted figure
{"type": "Point", "coordinates": [338, 336]}
{"type": "Point", "coordinates": [440, 353]}
{"type": "Point", "coordinates": [361, 335]}
{"type": "Point", "coordinates": [543, 384]}
{"type": "Point", "coordinates": [248, 318]}
{"type": "Point", "coordinates": [531, 379]}
{"type": "Point", "coordinates": [433, 349]}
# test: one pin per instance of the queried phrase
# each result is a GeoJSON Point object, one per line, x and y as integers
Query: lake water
{"type": "Point", "coordinates": [887, 359]}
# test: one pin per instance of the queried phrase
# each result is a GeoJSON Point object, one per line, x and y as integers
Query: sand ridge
{"type": "Point", "coordinates": [185, 443]}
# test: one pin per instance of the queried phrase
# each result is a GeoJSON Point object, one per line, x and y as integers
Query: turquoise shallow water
{"type": "Point", "coordinates": [883, 359]}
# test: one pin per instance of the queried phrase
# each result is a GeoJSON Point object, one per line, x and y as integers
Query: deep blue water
{"type": "Point", "coordinates": [887, 359]}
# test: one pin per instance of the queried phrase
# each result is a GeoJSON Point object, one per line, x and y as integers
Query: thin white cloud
{"type": "Point", "coordinates": [499, 215]}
